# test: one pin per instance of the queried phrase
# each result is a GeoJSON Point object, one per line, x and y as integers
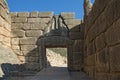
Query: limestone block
{"type": "Point", "coordinates": [15, 41]}
{"type": "Point", "coordinates": [18, 52]}
{"type": "Point", "coordinates": [4, 32]}
{"type": "Point", "coordinates": [1, 38]}
{"type": "Point", "coordinates": [3, 13]}
{"type": "Point", "coordinates": [112, 34]}
{"type": "Point", "coordinates": [45, 14]}
{"type": "Point", "coordinates": [6, 39]}
{"type": "Point", "coordinates": [90, 60]}
{"type": "Point", "coordinates": [21, 20]}
{"type": "Point", "coordinates": [75, 35]}
{"type": "Point", "coordinates": [7, 26]}
{"type": "Point", "coordinates": [22, 59]}
{"type": "Point", "coordinates": [33, 53]}
{"type": "Point", "coordinates": [40, 20]}
{"type": "Point", "coordinates": [74, 22]}
{"type": "Point", "coordinates": [28, 40]}
{"type": "Point", "coordinates": [115, 76]}
{"type": "Point", "coordinates": [91, 48]}
{"type": "Point", "coordinates": [13, 14]}
{"type": "Point", "coordinates": [100, 42]}
{"type": "Point", "coordinates": [18, 33]}
{"type": "Point", "coordinates": [33, 59]}
{"type": "Point", "coordinates": [37, 26]}
{"type": "Point", "coordinates": [15, 47]}
{"type": "Point", "coordinates": [34, 14]}
{"type": "Point", "coordinates": [34, 33]}
{"type": "Point", "coordinates": [102, 76]}
{"type": "Point", "coordinates": [33, 66]}
{"type": "Point", "coordinates": [68, 15]}
{"type": "Point", "coordinates": [74, 28]}
{"type": "Point", "coordinates": [28, 47]}
{"type": "Point", "coordinates": [78, 46]}
{"type": "Point", "coordinates": [17, 25]}
{"type": "Point", "coordinates": [114, 58]}
{"type": "Point", "coordinates": [102, 61]}
{"type": "Point", "coordinates": [23, 14]}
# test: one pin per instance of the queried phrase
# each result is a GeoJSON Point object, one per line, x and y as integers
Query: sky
{"type": "Point", "coordinates": [56, 6]}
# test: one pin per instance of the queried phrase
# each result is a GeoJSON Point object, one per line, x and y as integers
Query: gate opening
{"type": "Point", "coordinates": [56, 57]}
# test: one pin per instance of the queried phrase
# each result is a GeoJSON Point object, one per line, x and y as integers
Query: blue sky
{"type": "Point", "coordinates": [55, 6]}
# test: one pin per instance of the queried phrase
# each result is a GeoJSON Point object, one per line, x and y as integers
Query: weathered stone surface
{"type": "Point", "coordinates": [13, 14]}
{"type": "Point", "coordinates": [16, 47]}
{"type": "Point", "coordinates": [102, 61]}
{"type": "Point", "coordinates": [114, 58]}
{"type": "Point", "coordinates": [41, 20]}
{"type": "Point", "coordinates": [112, 35]}
{"type": "Point", "coordinates": [34, 14]}
{"type": "Point", "coordinates": [91, 48]}
{"type": "Point", "coordinates": [67, 15]}
{"type": "Point", "coordinates": [23, 14]}
{"type": "Point", "coordinates": [7, 56]}
{"type": "Point", "coordinates": [90, 60]}
{"type": "Point", "coordinates": [19, 19]}
{"type": "Point", "coordinates": [100, 42]}
{"type": "Point", "coordinates": [75, 35]}
{"type": "Point", "coordinates": [15, 41]}
{"type": "Point", "coordinates": [74, 22]}
{"type": "Point", "coordinates": [4, 32]}
{"type": "Point", "coordinates": [17, 26]}
{"type": "Point", "coordinates": [45, 14]}
{"type": "Point", "coordinates": [34, 33]}
{"type": "Point", "coordinates": [18, 33]}
{"type": "Point", "coordinates": [28, 47]}
{"type": "Point", "coordinates": [78, 46]}
{"type": "Point", "coordinates": [28, 40]}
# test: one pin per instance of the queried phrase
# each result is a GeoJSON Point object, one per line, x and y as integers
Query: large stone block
{"type": "Point", "coordinates": [75, 35]}
{"type": "Point", "coordinates": [40, 20]}
{"type": "Point", "coordinates": [4, 32]}
{"type": "Point", "coordinates": [100, 42]}
{"type": "Point", "coordinates": [102, 61]}
{"type": "Point", "coordinates": [102, 76]}
{"type": "Point", "coordinates": [28, 47]}
{"type": "Point", "coordinates": [17, 25]}
{"type": "Point", "coordinates": [34, 33]}
{"type": "Point", "coordinates": [15, 47]}
{"type": "Point", "coordinates": [34, 14]}
{"type": "Point", "coordinates": [45, 14]}
{"type": "Point", "coordinates": [67, 15]}
{"type": "Point", "coordinates": [15, 41]}
{"type": "Point", "coordinates": [28, 40]}
{"type": "Point", "coordinates": [21, 20]}
{"type": "Point", "coordinates": [90, 60]}
{"type": "Point", "coordinates": [23, 14]}
{"type": "Point", "coordinates": [112, 34]}
{"type": "Point", "coordinates": [74, 22]}
{"type": "Point", "coordinates": [91, 48]}
{"type": "Point", "coordinates": [18, 33]}
{"type": "Point", "coordinates": [114, 58]}
{"type": "Point", "coordinates": [78, 46]}
{"type": "Point", "coordinates": [13, 14]}
{"type": "Point", "coordinates": [36, 26]}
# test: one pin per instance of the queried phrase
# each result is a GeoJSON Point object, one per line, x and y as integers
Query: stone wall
{"type": "Point", "coordinates": [5, 24]}
{"type": "Point", "coordinates": [102, 41]}
{"type": "Point", "coordinates": [27, 28]}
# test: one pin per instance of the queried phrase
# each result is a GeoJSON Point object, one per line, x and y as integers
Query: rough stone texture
{"type": "Point", "coordinates": [102, 26]}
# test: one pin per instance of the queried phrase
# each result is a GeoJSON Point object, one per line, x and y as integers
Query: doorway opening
{"type": "Point", "coordinates": [56, 57]}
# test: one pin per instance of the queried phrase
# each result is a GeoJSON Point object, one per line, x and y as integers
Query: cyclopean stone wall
{"type": "Point", "coordinates": [5, 24]}
{"type": "Point", "coordinates": [7, 56]}
{"type": "Point", "coordinates": [27, 28]}
{"type": "Point", "coordinates": [102, 41]}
